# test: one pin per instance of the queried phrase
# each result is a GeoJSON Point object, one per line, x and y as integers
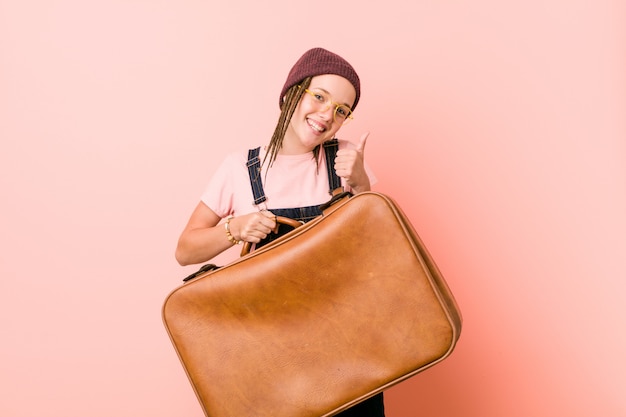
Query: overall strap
{"type": "Point", "coordinates": [330, 150]}
{"type": "Point", "coordinates": [254, 171]}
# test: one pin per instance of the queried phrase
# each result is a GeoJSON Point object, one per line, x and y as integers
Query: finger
{"type": "Point", "coordinates": [270, 221]}
{"type": "Point", "coordinates": [268, 214]}
{"type": "Point", "coordinates": [361, 146]}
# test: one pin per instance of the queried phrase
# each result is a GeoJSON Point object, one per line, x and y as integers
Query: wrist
{"type": "Point", "coordinates": [362, 187]}
{"type": "Point", "coordinates": [229, 234]}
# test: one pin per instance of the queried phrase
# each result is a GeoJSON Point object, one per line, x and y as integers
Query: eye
{"type": "Point", "coordinates": [343, 111]}
{"type": "Point", "coordinates": [319, 97]}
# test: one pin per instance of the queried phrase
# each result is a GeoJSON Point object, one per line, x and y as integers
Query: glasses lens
{"type": "Point", "coordinates": [323, 101]}
{"type": "Point", "coordinates": [342, 113]}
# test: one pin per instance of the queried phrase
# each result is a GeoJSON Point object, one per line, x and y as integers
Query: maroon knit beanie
{"type": "Point", "coordinates": [319, 61]}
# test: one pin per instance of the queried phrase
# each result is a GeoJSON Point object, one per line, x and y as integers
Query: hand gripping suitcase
{"type": "Point", "coordinates": [334, 312]}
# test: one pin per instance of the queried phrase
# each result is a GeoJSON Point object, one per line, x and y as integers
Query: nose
{"type": "Point", "coordinates": [327, 111]}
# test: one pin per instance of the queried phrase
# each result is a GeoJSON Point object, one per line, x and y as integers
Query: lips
{"type": "Point", "coordinates": [318, 127]}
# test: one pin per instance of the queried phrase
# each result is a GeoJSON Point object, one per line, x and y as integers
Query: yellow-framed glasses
{"type": "Point", "coordinates": [322, 99]}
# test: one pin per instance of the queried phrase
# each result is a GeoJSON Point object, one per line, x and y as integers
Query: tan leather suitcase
{"type": "Point", "coordinates": [330, 314]}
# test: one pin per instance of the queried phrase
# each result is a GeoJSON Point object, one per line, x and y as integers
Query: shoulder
{"type": "Point", "coordinates": [240, 156]}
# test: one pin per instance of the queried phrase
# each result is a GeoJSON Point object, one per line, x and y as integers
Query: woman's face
{"type": "Point", "coordinates": [313, 122]}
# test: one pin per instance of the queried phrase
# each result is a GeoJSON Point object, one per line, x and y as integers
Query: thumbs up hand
{"type": "Point", "coordinates": [349, 165]}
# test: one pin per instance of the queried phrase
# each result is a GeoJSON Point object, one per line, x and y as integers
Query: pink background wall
{"type": "Point", "coordinates": [498, 126]}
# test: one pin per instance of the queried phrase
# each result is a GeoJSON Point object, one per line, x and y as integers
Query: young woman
{"type": "Point", "coordinates": [291, 176]}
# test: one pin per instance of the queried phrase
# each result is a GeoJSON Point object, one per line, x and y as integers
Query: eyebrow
{"type": "Point", "coordinates": [327, 92]}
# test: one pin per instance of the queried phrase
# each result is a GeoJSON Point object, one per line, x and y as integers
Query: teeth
{"type": "Point", "coordinates": [315, 126]}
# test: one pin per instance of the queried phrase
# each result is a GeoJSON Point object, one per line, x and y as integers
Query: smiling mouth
{"type": "Point", "coordinates": [316, 126]}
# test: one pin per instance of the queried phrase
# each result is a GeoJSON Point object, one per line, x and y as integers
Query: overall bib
{"type": "Point", "coordinates": [372, 407]}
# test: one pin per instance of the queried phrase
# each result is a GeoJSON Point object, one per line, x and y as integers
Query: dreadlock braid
{"type": "Point", "coordinates": [292, 98]}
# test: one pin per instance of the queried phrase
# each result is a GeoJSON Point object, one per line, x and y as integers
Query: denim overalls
{"type": "Point", "coordinates": [372, 407]}
{"type": "Point", "coordinates": [302, 214]}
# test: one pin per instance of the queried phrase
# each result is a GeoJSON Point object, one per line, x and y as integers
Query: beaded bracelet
{"type": "Point", "coordinates": [229, 236]}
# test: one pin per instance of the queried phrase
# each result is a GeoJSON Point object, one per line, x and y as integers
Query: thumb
{"type": "Point", "coordinates": [361, 146]}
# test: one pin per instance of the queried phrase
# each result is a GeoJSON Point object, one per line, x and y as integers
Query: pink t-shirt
{"type": "Point", "coordinates": [292, 181]}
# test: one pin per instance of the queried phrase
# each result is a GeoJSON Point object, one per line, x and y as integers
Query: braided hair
{"type": "Point", "coordinates": [292, 98]}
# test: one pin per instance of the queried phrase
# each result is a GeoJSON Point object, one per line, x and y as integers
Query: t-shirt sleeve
{"type": "Point", "coordinates": [218, 194]}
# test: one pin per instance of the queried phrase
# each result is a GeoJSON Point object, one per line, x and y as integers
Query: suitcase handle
{"type": "Point", "coordinates": [279, 220]}
{"type": "Point", "coordinates": [338, 195]}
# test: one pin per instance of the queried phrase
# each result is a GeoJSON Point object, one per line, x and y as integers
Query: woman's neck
{"type": "Point", "coordinates": [292, 145]}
